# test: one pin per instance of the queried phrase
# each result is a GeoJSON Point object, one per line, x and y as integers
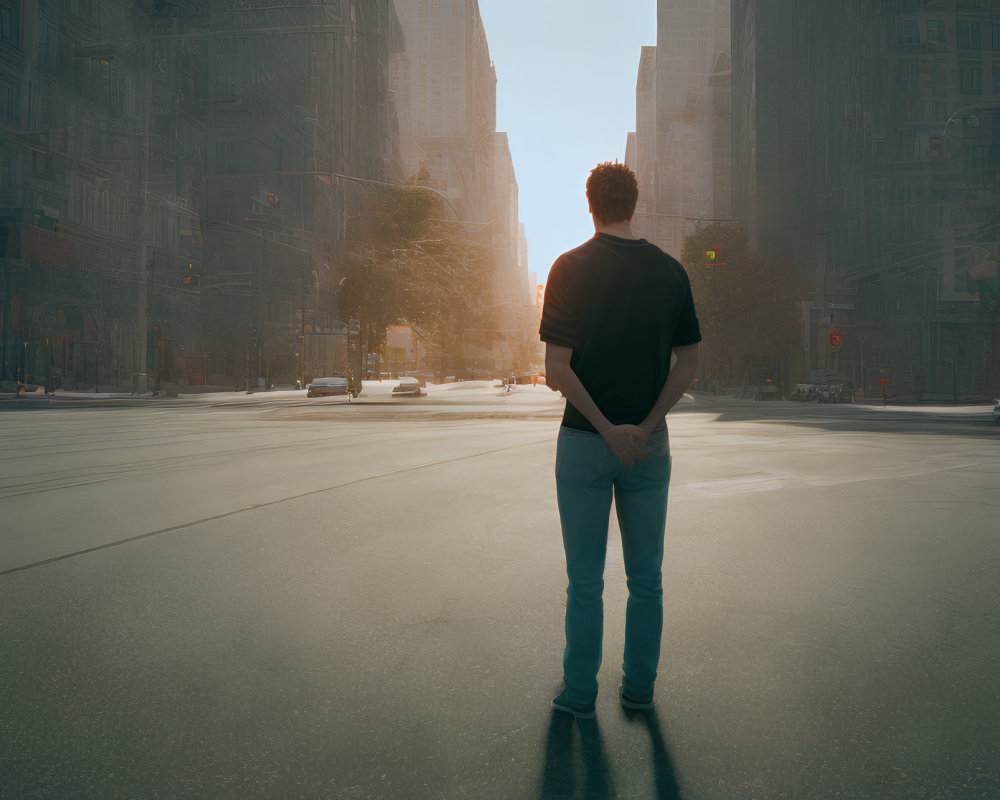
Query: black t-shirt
{"type": "Point", "coordinates": [622, 305]}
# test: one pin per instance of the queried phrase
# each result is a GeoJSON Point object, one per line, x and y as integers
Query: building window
{"type": "Point", "coordinates": [82, 9]}
{"type": "Point", "coordinates": [908, 76]}
{"type": "Point", "coordinates": [935, 31]}
{"type": "Point", "coordinates": [4, 172]}
{"type": "Point", "coordinates": [226, 155]}
{"type": "Point", "coordinates": [974, 157]}
{"type": "Point", "coordinates": [129, 95]}
{"type": "Point", "coordinates": [42, 165]}
{"type": "Point", "coordinates": [969, 36]}
{"type": "Point", "coordinates": [8, 102]}
{"type": "Point", "coordinates": [996, 35]}
{"type": "Point", "coordinates": [116, 91]}
{"type": "Point", "coordinates": [225, 207]}
{"type": "Point", "coordinates": [906, 146]}
{"type": "Point", "coordinates": [48, 45]}
{"type": "Point", "coordinates": [970, 79]}
{"type": "Point", "coordinates": [279, 311]}
{"type": "Point", "coordinates": [8, 25]}
{"type": "Point", "coordinates": [914, 112]}
{"type": "Point", "coordinates": [996, 77]}
{"type": "Point", "coordinates": [102, 213]}
{"type": "Point", "coordinates": [939, 78]}
{"type": "Point", "coordinates": [908, 32]}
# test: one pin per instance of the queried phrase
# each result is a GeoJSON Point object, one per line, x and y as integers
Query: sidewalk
{"type": "Point", "coordinates": [372, 391]}
{"type": "Point", "coordinates": [964, 412]}
{"type": "Point", "coordinates": [487, 397]}
{"type": "Point", "coordinates": [76, 398]}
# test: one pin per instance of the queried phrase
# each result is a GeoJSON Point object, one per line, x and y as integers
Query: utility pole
{"type": "Point", "coordinates": [302, 329]}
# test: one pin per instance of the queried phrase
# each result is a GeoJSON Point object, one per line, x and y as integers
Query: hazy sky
{"type": "Point", "coordinates": [566, 73]}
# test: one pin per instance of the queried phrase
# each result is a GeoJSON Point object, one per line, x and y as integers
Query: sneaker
{"type": "Point", "coordinates": [576, 709]}
{"type": "Point", "coordinates": [634, 705]}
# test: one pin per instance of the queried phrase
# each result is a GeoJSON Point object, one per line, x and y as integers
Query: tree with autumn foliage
{"type": "Point", "coordinates": [748, 307]}
{"type": "Point", "coordinates": [419, 268]}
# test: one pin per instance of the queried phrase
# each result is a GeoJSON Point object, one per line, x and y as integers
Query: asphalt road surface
{"type": "Point", "coordinates": [264, 597]}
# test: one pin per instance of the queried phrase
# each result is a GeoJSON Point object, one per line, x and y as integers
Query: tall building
{"type": "Point", "coordinates": [641, 148]}
{"type": "Point", "coordinates": [680, 160]}
{"type": "Point", "coordinates": [446, 90]}
{"type": "Point", "coordinates": [101, 152]}
{"type": "Point", "coordinates": [177, 182]}
{"type": "Point", "coordinates": [865, 151]}
{"type": "Point", "coordinates": [297, 120]}
{"type": "Point", "coordinates": [524, 276]}
{"type": "Point", "coordinates": [503, 211]}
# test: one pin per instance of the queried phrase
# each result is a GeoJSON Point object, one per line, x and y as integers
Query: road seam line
{"type": "Point", "coordinates": [264, 505]}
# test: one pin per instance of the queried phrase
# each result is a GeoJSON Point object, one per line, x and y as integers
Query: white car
{"type": "Point", "coordinates": [407, 387]}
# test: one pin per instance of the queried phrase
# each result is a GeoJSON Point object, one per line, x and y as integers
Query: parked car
{"type": "Point", "coordinates": [996, 410]}
{"type": "Point", "coordinates": [407, 387]}
{"type": "Point", "coordinates": [321, 387]}
{"type": "Point", "coordinates": [420, 376]}
{"type": "Point", "coordinates": [836, 392]}
{"type": "Point", "coordinates": [804, 392]}
{"type": "Point", "coordinates": [767, 391]}
{"type": "Point", "coordinates": [825, 392]}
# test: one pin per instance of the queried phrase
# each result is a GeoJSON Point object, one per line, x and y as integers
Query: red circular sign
{"type": "Point", "coordinates": [836, 337]}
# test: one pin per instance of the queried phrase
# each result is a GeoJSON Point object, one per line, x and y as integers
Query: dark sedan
{"type": "Point", "coordinates": [321, 387]}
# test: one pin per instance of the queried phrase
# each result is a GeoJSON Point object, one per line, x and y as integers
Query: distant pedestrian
{"type": "Point", "coordinates": [616, 309]}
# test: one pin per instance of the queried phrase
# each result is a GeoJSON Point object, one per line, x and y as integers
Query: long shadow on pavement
{"type": "Point", "coordinates": [560, 773]}
{"type": "Point", "coordinates": [850, 419]}
{"type": "Point", "coordinates": [663, 764]}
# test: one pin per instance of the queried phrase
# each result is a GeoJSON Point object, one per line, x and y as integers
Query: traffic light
{"type": "Point", "coordinates": [190, 277]}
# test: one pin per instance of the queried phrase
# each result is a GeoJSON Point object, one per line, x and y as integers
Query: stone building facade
{"type": "Point", "coordinates": [297, 121]}
{"type": "Point", "coordinates": [177, 182]}
{"type": "Point", "coordinates": [865, 151]}
{"type": "Point", "coordinates": [445, 87]}
{"type": "Point", "coordinates": [681, 148]}
{"type": "Point", "coordinates": [99, 206]}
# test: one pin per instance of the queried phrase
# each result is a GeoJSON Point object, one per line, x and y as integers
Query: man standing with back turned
{"type": "Point", "coordinates": [616, 309]}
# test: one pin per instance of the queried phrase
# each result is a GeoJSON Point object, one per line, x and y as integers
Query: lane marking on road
{"type": "Point", "coordinates": [234, 512]}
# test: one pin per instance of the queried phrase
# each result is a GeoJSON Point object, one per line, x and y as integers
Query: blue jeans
{"type": "Point", "coordinates": [587, 474]}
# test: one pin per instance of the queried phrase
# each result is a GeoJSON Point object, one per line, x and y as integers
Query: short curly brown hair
{"type": "Point", "coordinates": [612, 191]}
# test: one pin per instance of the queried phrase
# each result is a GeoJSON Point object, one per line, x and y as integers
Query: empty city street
{"type": "Point", "coordinates": [264, 596]}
